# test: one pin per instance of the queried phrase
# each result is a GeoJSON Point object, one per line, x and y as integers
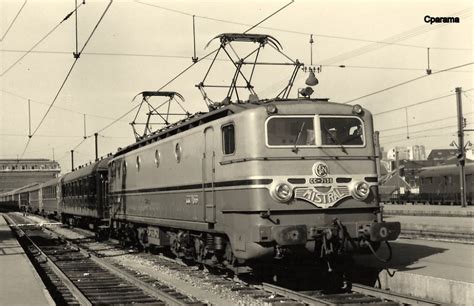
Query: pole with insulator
{"type": "Point", "coordinates": [461, 156]}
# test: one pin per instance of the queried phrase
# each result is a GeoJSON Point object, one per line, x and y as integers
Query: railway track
{"type": "Point", "coordinates": [77, 277]}
{"type": "Point", "coordinates": [263, 293]}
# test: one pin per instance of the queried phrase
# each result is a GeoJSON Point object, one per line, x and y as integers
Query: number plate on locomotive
{"type": "Point", "coordinates": [321, 180]}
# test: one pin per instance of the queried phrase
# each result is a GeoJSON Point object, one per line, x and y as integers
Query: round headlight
{"type": "Point", "coordinates": [283, 192]}
{"type": "Point", "coordinates": [271, 109]}
{"type": "Point", "coordinates": [357, 110]}
{"type": "Point", "coordinates": [360, 190]}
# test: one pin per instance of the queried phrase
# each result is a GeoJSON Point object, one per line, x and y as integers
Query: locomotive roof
{"type": "Point", "coordinates": [87, 170]}
{"type": "Point", "coordinates": [445, 170]}
{"type": "Point", "coordinates": [205, 117]}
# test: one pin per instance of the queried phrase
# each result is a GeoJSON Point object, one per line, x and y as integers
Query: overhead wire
{"type": "Point", "coordinates": [56, 106]}
{"type": "Point", "coordinates": [418, 103]}
{"type": "Point", "coordinates": [65, 79]}
{"type": "Point", "coordinates": [40, 41]}
{"type": "Point", "coordinates": [13, 21]}
{"type": "Point", "coordinates": [268, 17]}
{"type": "Point", "coordinates": [421, 123]}
{"type": "Point", "coordinates": [187, 58]}
{"type": "Point", "coordinates": [407, 82]}
{"type": "Point", "coordinates": [299, 32]}
{"type": "Point", "coordinates": [422, 131]}
{"type": "Point", "coordinates": [395, 38]}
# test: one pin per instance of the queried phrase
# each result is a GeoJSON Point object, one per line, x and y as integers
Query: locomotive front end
{"type": "Point", "coordinates": [319, 165]}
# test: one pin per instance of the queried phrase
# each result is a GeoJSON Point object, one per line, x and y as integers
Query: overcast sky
{"type": "Point", "coordinates": [141, 45]}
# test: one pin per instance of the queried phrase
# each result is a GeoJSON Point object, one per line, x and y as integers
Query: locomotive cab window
{"type": "Point", "coordinates": [290, 131]}
{"type": "Point", "coordinates": [228, 139]}
{"type": "Point", "coordinates": [315, 131]}
{"type": "Point", "coordinates": [347, 131]}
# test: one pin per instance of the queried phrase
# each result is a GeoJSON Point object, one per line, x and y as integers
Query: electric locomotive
{"type": "Point", "coordinates": [251, 181]}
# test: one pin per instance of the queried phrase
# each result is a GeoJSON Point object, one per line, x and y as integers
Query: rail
{"type": "Point", "coordinates": [75, 291]}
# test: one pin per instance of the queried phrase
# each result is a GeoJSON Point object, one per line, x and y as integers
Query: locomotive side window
{"type": "Point", "coordinates": [138, 163]}
{"type": "Point", "coordinates": [157, 158]}
{"type": "Point", "coordinates": [228, 139]}
{"type": "Point", "coordinates": [289, 131]}
{"type": "Point", "coordinates": [178, 152]}
{"type": "Point", "coordinates": [347, 131]}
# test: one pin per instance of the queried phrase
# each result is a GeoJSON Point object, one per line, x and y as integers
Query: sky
{"type": "Point", "coordinates": [141, 45]}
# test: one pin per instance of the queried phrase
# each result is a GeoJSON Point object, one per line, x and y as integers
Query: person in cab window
{"type": "Point", "coordinates": [355, 137]}
{"type": "Point", "coordinates": [310, 139]}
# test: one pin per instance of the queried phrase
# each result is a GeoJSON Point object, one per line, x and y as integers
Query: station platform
{"type": "Point", "coordinates": [441, 271]}
{"type": "Point", "coordinates": [449, 223]}
{"type": "Point", "coordinates": [428, 210]}
{"type": "Point", "coordinates": [19, 282]}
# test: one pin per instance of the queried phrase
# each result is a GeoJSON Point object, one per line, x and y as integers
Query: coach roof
{"type": "Point", "coordinates": [87, 170]}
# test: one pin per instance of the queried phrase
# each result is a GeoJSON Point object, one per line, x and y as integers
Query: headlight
{"type": "Point", "coordinates": [360, 190]}
{"type": "Point", "coordinates": [357, 110]}
{"type": "Point", "coordinates": [271, 109]}
{"type": "Point", "coordinates": [283, 192]}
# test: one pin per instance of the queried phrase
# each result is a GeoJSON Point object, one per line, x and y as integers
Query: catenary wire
{"type": "Point", "coordinates": [187, 58]}
{"type": "Point", "coordinates": [408, 81]}
{"type": "Point", "coordinates": [395, 38]}
{"type": "Point", "coordinates": [65, 79]}
{"type": "Point", "coordinates": [418, 103]}
{"type": "Point", "coordinates": [300, 32]}
{"type": "Point", "coordinates": [421, 123]}
{"type": "Point", "coordinates": [55, 106]}
{"type": "Point", "coordinates": [13, 21]}
{"type": "Point", "coordinates": [39, 41]}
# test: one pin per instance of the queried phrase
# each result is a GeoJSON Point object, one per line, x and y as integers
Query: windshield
{"type": "Point", "coordinates": [284, 131]}
{"type": "Point", "coordinates": [300, 131]}
{"type": "Point", "coordinates": [341, 131]}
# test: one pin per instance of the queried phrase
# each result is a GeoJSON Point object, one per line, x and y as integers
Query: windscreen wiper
{"type": "Point", "coordinates": [336, 141]}
{"type": "Point", "coordinates": [295, 148]}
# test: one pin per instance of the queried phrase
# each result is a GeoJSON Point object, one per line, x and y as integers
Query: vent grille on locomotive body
{"type": "Point", "coordinates": [220, 176]}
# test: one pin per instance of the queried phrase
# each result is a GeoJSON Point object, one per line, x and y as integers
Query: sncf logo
{"type": "Point", "coordinates": [320, 169]}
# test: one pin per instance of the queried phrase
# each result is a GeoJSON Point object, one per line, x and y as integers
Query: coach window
{"type": "Point", "coordinates": [228, 139]}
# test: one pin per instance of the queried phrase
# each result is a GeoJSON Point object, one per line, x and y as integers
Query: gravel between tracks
{"type": "Point", "coordinates": [202, 289]}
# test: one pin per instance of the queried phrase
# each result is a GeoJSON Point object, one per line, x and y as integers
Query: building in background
{"type": "Point", "coordinates": [15, 173]}
{"type": "Point", "coordinates": [417, 152]}
{"type": "Point", "coordinates": [443, 155]}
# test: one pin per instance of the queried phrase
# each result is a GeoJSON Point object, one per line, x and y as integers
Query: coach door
{"type": "Point", "coordinates": [208, 171]}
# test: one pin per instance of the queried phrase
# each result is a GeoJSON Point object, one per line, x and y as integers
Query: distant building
{"type": "Point", "coordinates": [15, 173]}
{"type": "Point", "coordinates": [416, 152]}
{"type": "Point", "coordinates": [442, 154]}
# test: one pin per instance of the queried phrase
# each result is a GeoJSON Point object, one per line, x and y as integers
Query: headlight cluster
{"type": "Point", "coordinates": [360, 190]}
{"type": "Point", "coordinates": [283, 192]}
